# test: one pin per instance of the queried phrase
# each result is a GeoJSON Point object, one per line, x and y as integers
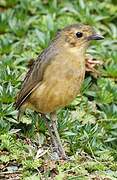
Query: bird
{"type": "Point", "coordinates": [54, 79]}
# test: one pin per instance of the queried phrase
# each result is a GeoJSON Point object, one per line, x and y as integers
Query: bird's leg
{"type": "Point", "coordinates": [50, 130]}
{"type": "Point", "coordinates": [54, 124]}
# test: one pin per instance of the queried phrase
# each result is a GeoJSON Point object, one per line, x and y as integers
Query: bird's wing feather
{"type": "Point", "coordinates": [35, 74]}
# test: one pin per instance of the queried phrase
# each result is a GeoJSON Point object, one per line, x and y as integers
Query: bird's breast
{"type": "Point", "coordinates": [61, 83]}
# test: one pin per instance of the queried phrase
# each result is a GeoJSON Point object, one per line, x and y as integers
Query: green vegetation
{"type": "Point", "coordinates": [88, 127]}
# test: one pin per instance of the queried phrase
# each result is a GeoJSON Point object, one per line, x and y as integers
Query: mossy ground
{"type": "Point", "coordinates": [88, 126]}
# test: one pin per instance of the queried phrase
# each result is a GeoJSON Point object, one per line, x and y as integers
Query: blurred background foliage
{"type": "Point", "coordinates": [88, 126]}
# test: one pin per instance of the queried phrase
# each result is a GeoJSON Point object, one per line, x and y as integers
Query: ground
{"type": "Point", "coordinates": [88, 126]}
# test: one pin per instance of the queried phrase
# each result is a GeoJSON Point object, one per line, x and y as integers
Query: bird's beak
{"type": "Point", "coordinates": [95, 37]}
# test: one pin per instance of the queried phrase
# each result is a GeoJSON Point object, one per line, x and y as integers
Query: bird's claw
{"type": "Point", "coordinates": [91, 63]}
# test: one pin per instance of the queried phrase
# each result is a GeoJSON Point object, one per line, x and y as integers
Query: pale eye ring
{"type": "Point", "coordinates": [79, 34]}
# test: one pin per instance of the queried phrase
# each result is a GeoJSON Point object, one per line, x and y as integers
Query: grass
{"type": "Point", "coordinates": [88, 126]}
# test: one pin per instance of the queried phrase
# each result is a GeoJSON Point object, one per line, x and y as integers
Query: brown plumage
{"type": "Point", "coordinates": [55, 78]}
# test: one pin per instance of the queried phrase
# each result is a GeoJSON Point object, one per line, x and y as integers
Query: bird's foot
{"type": "Point", "coordinates": [91, 63]}
{"type": "Point", "coordinates": [56, 142]}
{"type": "Point", "coordinates": [58, 151]}
{"type": "Point", "coordinates": [58, 156]}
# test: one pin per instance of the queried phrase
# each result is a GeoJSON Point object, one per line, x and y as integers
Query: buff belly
{"type": "Point", "coordinates": [59, 87]}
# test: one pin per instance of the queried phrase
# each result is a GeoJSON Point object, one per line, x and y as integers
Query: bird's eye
{"type": "Point", "coordinates": [79, 34]}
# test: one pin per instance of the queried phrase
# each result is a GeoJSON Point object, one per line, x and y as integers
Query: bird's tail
{"type": "Point", "coordinates": [20, 114]}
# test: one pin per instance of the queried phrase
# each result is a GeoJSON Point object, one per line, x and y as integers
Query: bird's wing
{"type": "Point", "coordinates": [35, 74]}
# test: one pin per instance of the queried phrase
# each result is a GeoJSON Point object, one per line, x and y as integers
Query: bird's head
{"type": "Point", "coordinates": [79, 36]}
